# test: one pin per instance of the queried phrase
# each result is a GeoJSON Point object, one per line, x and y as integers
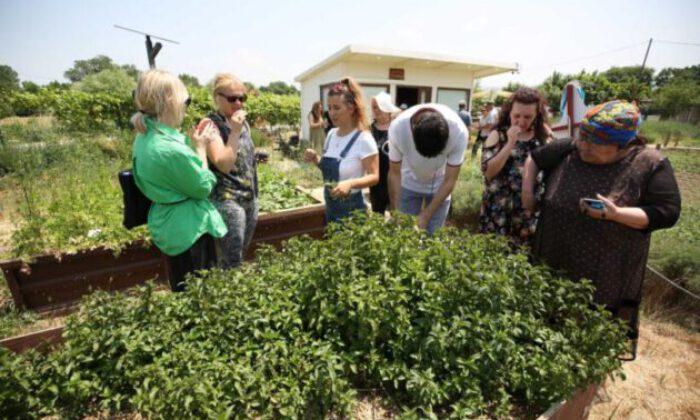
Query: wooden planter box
{"type": "Point", "coordinates": [51, 283]}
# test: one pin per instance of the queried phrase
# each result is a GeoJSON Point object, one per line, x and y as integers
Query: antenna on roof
{"type": "Point", "coordinates": [151, 50]}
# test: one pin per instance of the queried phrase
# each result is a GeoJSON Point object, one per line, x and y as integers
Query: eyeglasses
{"type": "Point", "coordinates": [233, 98]}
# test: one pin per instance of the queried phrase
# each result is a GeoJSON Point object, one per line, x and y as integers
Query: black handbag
{"type": "Point", "coordinates": [136, 205]}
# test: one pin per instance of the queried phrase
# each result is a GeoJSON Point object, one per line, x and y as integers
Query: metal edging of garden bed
{"type": "Point", "coordinates": [50, 282]}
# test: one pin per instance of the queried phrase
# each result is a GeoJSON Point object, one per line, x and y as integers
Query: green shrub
{"type": "Point", "coordinates": [261, 139]}
{"type": "Point", "coordinates": [466, 197]}
{"type": "Point", "coordinates": [89, 112]}
{"type": "Point", "coordinates": [24, 104]}
{"type": "Point", "coordinates": [447, 326]}
{"type": "Point", "coordinates": [277, 192]}
{"type": "Point", "coordinates": [71, 198]}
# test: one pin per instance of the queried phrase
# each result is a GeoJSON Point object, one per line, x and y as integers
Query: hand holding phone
{"type": "Point", "coordinates": [594, 203]}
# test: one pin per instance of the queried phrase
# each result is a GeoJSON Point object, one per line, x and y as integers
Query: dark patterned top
{"type": "Point", "coordinates": [611, 255]}
{"type": "Point", "coordinates": [242, 181]}
{"type": "Point", "coordinates": [501, 207]}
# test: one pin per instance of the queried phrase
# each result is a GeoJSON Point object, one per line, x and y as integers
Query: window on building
{"type": "Point", "coordinates": [451, 97]}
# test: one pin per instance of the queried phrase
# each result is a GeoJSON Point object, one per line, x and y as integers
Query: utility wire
{"type": "Point", "coordinates": [686, 291]}
{"type": "Point", "coordinates": [590, 56]}
{"type": "Point", "coordinates": [693, 44]}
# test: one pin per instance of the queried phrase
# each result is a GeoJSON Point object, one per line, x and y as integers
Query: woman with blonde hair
{"type": "Point", "coordinates": [349, 162]}
{"type": "Point", "coordinates": [182, 221]}
{"type": "Point", "coordinates": [232, 157]}
{"type": "Point", "coordinates": [316, 126]}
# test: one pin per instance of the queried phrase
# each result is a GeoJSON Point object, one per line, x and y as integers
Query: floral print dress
{"type": "Point", "coordinates": [501, 207]}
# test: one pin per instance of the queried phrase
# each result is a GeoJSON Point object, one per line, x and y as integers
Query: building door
{"type": "Point", "coordinates": [412, 95]}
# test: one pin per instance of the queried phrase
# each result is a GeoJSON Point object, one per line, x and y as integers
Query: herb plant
{"type": "Point", "coordinates": [448, 326]}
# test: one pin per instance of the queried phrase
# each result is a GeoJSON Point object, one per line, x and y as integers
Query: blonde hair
{"type": "Point", "coordinates": [224, 80]}
{"type": "Point", "coordinates": [350, 91]}
{"type": "Point", "coordinates": [162, 95]}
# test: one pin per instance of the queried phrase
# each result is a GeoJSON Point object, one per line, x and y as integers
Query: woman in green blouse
{"type": "Point", "coordinates": [182, 221]}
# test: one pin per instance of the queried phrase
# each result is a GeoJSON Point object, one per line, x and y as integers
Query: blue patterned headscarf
{"type": "Point", "coordinates": [611, 123]}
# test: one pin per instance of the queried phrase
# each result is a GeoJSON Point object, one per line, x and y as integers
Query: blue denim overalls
{"type": "Point", "coordinates": [337, 208]}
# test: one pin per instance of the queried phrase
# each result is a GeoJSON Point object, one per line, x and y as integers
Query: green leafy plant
{"type": "Point", "coordinates": [450, 326]}
{"type": "Point", "coordinates": [277, 192]}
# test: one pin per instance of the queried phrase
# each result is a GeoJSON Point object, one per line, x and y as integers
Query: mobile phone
{"type": "Point", "coordinates": [594, 203]}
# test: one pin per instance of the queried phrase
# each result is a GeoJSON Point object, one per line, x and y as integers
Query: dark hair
{"type": "Point", "coordinates": [351, 93]}
{"type": "Point", "coordinates": [639, 140]}
{"type": "Point", "coordinates": [430, 132]}
{"type": "Point", "coordinates": [315, 107]}
{"type": "Point", "coordinates": [526, 96]}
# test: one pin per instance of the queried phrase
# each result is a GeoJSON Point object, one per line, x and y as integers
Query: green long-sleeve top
{"type": "Point", "coordinates": [170, 174]}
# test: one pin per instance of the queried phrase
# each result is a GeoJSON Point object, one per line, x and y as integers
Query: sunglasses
{"type": "Point", "coordinates": [233, 98]}
{"type": "Point", "coordinates": [188, 101]}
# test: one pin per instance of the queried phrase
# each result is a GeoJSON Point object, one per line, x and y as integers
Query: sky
{"type": "Point", "coordinates": [263, 41]}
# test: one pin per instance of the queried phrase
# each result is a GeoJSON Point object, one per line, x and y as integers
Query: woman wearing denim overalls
{"type": "Point", "coordinates": [350, 157]}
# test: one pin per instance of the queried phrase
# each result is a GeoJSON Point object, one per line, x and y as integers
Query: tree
{"type": "Point", "coordinates": [83, 68]}
{"type": "Point", "coordinates": [632, 82]}
{"type": "Point", "coordinates": [31, 87]}
{"type": "Point", "coordinates": [57, 86]}
{"type": "Point", "coordinates": [9, 80]}
{"type": "Point", "coordinates": [114, 81]}
{"type": "Point", "coordinates": [513, 86]}
{"type": "Point", "coordinates": [280, 88]}
{"type": "Point", "coordinates": [552, 88]}
{"type": "Point", "coordinates": [668, 75]}
{"type": "Point", "coordinates": [676, 97]}
{"type": "Point", "coordinates": [131, 70]}
{"type": "Point", "coordinates": [189, 80]}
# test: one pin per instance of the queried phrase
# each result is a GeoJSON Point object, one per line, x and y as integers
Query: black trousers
{"type": "Point", "coordinates": [379, 197]}
{"type": "Point", "coordinates": [200, 256]}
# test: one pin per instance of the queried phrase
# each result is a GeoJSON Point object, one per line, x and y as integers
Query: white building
{"type": "Point", "coordinates": [409, 77]}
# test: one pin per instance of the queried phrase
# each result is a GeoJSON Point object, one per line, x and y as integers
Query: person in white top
{"type": "Point", "coordinates": [426, 151]}
{"type": "Point", "coordinates": [350, 159]}
{"type": "Point", "coordinates": [488, 121]}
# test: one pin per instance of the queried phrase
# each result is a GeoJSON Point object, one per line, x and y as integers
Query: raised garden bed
{"type": "Point", "coordinates": [445, 326]}
{"type": "Point", "coordinates": [575, 408]}
{"type": "Point", "coordinates": [51, 282]}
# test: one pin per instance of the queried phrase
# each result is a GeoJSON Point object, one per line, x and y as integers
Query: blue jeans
{"type": "Point", "coordinates": [412, 202]}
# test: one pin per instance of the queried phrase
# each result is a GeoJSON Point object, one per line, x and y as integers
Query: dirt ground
{"type": "Point", "coordinates": [663, 383]}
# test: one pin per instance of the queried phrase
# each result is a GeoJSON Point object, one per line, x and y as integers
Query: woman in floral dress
{"type": "Point", "coordinates": [521, 128]}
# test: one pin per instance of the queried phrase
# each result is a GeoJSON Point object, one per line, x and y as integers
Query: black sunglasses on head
{"type": "Point", "coordinates": [233, 98]}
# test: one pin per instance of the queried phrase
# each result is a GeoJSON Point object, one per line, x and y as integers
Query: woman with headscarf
{"type": "Point", "coordinates": [605, 193]}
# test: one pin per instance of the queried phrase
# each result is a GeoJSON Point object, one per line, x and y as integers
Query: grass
{"type": "Point", "coordinates": [675, 252]}
{"type": "Point", "coordinates": [670, 133]}
{"type": "Point", "coordinates": [466, 197]}
{"type": "Point", "coordinates": [12, 321]}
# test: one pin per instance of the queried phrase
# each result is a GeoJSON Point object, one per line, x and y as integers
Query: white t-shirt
{"type": "Point", "coordinates": [351, 166]}
{"type": "Point", "coordinates": [490, 118]}
{"type": "Point", "coordinates": [418, 173]}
